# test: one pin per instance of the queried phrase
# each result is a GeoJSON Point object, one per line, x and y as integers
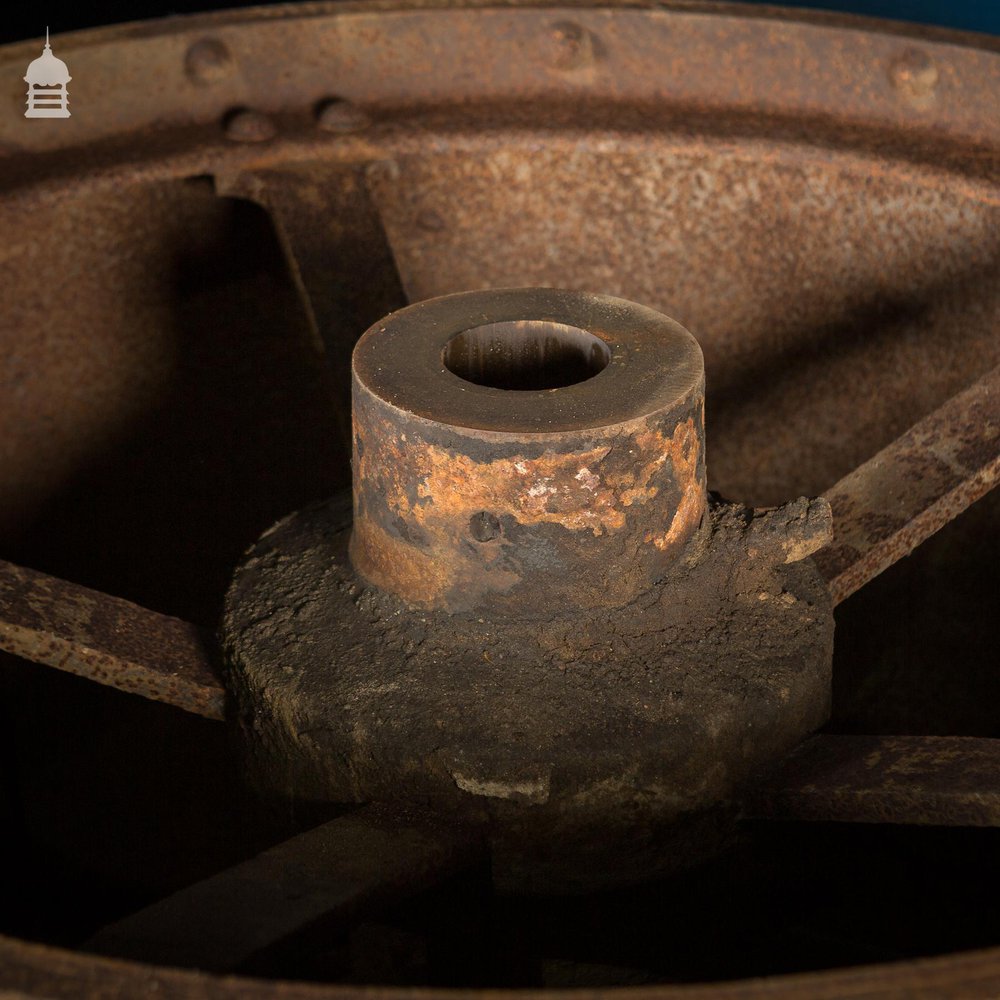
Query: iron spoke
{"type": "Point", "coordinates": [337, 251]}
{"type": "Point", "coordinates": [365, 859]}
{"type": "Point", "coordinates": [108, 640]}
{"type": "Point", "coordinates": [916, 780]}
{"type": "Point", "coordinates": [886, 507]}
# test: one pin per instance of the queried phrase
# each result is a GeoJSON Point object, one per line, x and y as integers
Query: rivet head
{"type": "Point", "coordinates": [208, 61]}
{"type": "Point", "coordinates": [336, 115]}
{"type": "Point", "coordinates": [571, 46]}
{"type": "Point", "coordinates": [914, 75]}
{"type": "Point", "coordinates": [484, 527]}
{"type": "Point", "coordinates": [245, 125]}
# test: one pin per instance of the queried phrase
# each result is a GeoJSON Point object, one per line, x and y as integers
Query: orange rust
{"type": "Point", "coordinates": [435, 492]}
{"type": "Point", "coordinates": [683, 454]}
{"type": "Point", "coordinates": [375, 551]}
{"type": "Point", "coordinates": [423, 575]}
{"type": "Point", "coordinates": [525, 500]}
{"type": "Point", "coordinates": [570, 490]}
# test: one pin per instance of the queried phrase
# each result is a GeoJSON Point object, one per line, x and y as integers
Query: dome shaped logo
{"type": "Point", "coordinates": [47, 79]}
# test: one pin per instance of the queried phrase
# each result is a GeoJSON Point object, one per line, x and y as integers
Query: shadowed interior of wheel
{"type": "Point", "coordinates": [458, 464]}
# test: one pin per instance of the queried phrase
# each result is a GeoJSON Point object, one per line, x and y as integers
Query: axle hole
{"type": "Point", "coordinates": [526, 355]}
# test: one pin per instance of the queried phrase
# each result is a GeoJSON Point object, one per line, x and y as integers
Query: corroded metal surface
{"type": "Point", "coordinates": [383, 54]}
{"type": "Point", "coordinates": [332, 873]}
{"type": "Point", "coordinates": [633, 721]}
{"type": "Point", "coordinates": [324, 217]}
{"type": "Point", "coordinates": [541, 614]}
{"type": "Point", "coordinates": [797, 351]}
{"type": "Point", "coordinates": [938, 780]}
{"type": "Point", "coordinates": [476, 496]}
{"type": "Point", "coordinates": [821, 196]}
{"type": "Point", "coordinates": [125, 387]}
{"type": "Point", "coordinates": [889, 505]}
{"type": "Point", "coordinates": [707, 166]}
{"type": "Point", "coordinates": [108, 640]}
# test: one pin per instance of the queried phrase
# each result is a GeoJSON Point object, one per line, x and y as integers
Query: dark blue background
{"type": "Point", "coordinates": [28, 20]}
{"type": "Point", "coordinates": [972, 15]}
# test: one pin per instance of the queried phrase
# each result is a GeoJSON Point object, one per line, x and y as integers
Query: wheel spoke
{"type": "Point", "coordinates": [328, 874]}
{"type": "Point", "coordinates": [918, 780]}
{"type": "Point", "coordinates": [108, 640]}
{"type": "Point", "coordinates": [885, 508]}
{"type": "Point", "coordinates": [337, 251]}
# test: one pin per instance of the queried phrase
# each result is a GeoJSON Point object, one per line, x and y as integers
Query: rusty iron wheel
{"type": "Point", "coordinates": [190, 258]}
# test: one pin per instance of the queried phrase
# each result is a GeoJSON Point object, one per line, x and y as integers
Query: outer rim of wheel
{"type": "Point", "coordinates": [31, 970]}
{"type": "Point", "coordinates": [183, 135]}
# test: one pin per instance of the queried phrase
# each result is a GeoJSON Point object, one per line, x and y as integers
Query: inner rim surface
{"type": "Point", "coordinates": [526, 355]}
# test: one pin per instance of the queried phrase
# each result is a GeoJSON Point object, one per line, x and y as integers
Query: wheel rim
{"type": "Point", "coordinates": [710, 134]}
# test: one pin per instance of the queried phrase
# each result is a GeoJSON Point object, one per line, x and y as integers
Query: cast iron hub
{"type": "Point", "coordinates": [538, 615]}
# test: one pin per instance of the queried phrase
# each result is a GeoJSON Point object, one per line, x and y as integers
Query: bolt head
{"type": "Point", "coordinates": [914, 75]}
{"type": "Point", "coordinates": [208, 61]}
{"type": "Point", "coordinates": [341, 116]}
{"type": "Point", "coordinates": [246, 125]}
{"type": "Point", "coordinates": [572, 46]}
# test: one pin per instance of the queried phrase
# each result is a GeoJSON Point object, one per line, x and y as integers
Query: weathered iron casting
{"type": "Point", "coordinates": [815, 196]}
{"type": "Point", "coordinates": [525, 453]}
{"type": "Point", "coordinates": [538, 611]}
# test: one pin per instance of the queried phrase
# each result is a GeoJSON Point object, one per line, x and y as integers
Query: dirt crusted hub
{"type": "Point", "coordinates": [537, 613]}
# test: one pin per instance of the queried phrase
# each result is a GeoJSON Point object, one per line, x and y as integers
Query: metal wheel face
{"type": "Point", "coordinates": [188, 261]}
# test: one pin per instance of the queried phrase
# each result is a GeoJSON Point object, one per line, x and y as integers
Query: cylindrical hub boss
{"type": "Point", "coordinates": [524, 451]}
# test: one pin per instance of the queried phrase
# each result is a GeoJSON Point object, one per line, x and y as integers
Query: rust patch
{"type": "Point", "coordinates": [434, 522]}
{"type": "Point", "coordinates": [925, 478]}
{"type": "Point", "coordinates": [525, 502]}
{"type": "Point", "coordinates": [108, 640]}
{"type": "Point", "coordinates": [576, 490]}
{"type": "Point", "coordinates": [683, 455]}
{"type": "Point", "coordinates": [424, 576]}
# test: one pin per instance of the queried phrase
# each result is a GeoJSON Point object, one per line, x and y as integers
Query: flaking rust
{"type": "Point", "coordinates": [537, 615]}
{"type": "Point", "coordinates": [443, 528]}
{"type": "Point", "coordinates": [469, 513]}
